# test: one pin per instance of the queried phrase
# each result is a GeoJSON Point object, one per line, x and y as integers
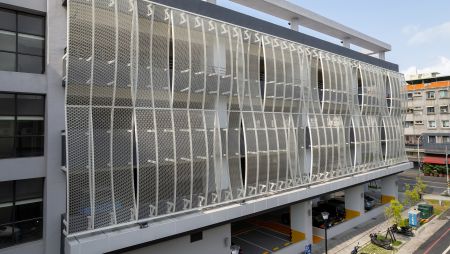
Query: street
{"type": "Point", "coordinates": [435, 185]}
{"type": "Point", "coordinates": [439, 242]}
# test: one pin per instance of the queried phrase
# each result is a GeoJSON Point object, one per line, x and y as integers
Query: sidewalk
{"type": "Point", "coordinates": [424, 235]}
{"type": "Point", "coordinates": [436, 197]}
{"type": "Point", "coordinates": [345, 242]}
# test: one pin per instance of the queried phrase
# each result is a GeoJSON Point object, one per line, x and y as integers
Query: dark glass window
{"type": "Point", "coordinates": [7, 104]}
{"type": "Point", "coordinates": [6, 192]}
{"type": "Point", "coordinates": [30, 24]}
{"type": "Point", "coordinates": [22, 42]}
{"type": "Point", "coordinates": [30, 44]}
{"type": "Point", "coordinates": [7, 61]}
{"type": "Point", "coordinates": [21, 211]}
{"type": "Point", "coordinates": [7, 41]}
{"type": "Point", "coordinates": [21, 125]}
{"type": "Point", "coordinates": [7, 20]}
{"type": "Point", "coordinates": [32, 64]}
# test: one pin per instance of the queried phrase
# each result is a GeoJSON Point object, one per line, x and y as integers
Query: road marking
{"type": "Point", "coordinates": [413, 181]}
{"type": "Point", "coordinates": [268, 234]}
{"type": "Point", "coordinates": [254, 244]}
{"type": "Point", "coordinates": [244, 231]}
{"type": "Point", "coordinates": [446, 251]}
{"type": "Point", "coordinates": [435, 242]}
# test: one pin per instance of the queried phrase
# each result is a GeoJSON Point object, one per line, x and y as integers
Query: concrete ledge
{"type": "Point", "coordinates": [35, 247]}
{"type": "Point", "coordinates": [107, 241]}
{"type": "Point", "coordinates": [22, 168]}
{"type": "Point", "coordinates": [21, 82]}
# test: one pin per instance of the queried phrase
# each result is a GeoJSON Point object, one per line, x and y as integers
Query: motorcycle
{"type": "Point", "coordinates": [406, 231]}
{"type": "Point", "coordinates": [385, 244]}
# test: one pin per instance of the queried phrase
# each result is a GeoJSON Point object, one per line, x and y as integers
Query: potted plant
{"type": "Point", "coordinates": [442, 171]}
{"type": "Point", "coordinates": [426, 169]}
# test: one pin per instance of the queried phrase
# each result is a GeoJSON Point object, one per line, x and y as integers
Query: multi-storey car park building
{"type": "Point", "coordinates": [138, 126]}
{"type": "Point", "coordinates": [427, 122]}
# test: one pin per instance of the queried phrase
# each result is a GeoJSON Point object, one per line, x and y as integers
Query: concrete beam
{"type": "Point", "coordinates": [134, 234]}
{"type": "Point", "coordinates": [287, 10]}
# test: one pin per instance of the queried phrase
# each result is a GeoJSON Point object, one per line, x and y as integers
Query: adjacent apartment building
{"type": "Point", "coordinates": [135, 126]}
{"type": "Point", "coordinates": [427, 125]}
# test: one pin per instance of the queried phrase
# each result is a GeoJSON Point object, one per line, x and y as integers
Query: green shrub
{"type": "Point", "coordinates": [394, 213]}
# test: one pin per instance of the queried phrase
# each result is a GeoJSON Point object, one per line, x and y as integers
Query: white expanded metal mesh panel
{"type": "Point", "coordinates": [168, 111]}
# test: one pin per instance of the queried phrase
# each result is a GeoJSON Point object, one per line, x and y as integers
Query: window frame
{"type": "Point", "coordinates": [15, 135]}
{"type": "Point", "coordinates": [16, 32]}
{"type": "Point", "coordinates": [431, 137]}
{"type": "Point", "coordinates": [13, 216]}
{"type": "Point", "coordinates": [429, 124]}
{"type": "Point", "coordinates": [443, 97]}
{"type": "Point", "coordinates": [410, 96]}
{"type": "Point", "coordinates": [447, 121]}
{"type": "Point", "coordinates": [445, 139]}
{"type": "Point", "coordinates": [431, 112]}
{"type": "Point", "coordinates": [428, 93]}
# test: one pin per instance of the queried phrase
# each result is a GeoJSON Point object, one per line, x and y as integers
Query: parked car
{"type": "Point", "coordinates": [339, 206]}
{"type": "Point", "coordinates": [369, 202]}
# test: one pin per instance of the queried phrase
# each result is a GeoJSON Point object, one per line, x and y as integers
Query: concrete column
{"type": "Point", "coordinates": [381, 55]}
{"type": "Point", "coordinates": [346, 43]}
{"type": "Point", "coordinates": [301, 222]}
{"type": "Point", "coordinates": [55, 181]}
{"type": "Point", "coordinates": [295, 24]}
{"type": "Point", "coordinates": [354, 202]}
{"type": "Point", "coordinates": [389, 189]}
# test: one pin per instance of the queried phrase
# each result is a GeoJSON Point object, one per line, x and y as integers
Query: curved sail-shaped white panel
{"type": "Point", "coordinates": [168, 111]}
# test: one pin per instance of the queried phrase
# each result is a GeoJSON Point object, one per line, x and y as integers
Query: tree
{"type": "Point", "coordinates": [411, 196]}
{"type": "Point", "coordinates": [421, 186]}
{"type": "Point", "coordinates": [394, 213]}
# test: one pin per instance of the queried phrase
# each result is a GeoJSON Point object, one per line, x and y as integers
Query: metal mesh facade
{"type": "Point", "coordinates": [168, 112]}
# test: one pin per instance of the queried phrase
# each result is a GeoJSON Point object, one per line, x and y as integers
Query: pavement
{"type": "Point", "coordinates": [345, 242]}
{"type": "Point", "coordinates": [438, 239]}
{"type": "Point", "coordinates": [432, 238]}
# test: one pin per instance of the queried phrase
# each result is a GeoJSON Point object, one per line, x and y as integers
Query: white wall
{"type": "Point", "coordinates": [215, 241]}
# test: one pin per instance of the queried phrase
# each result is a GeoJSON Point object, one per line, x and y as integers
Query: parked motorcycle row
{"type": "Point", "coordinates": [386, 241]}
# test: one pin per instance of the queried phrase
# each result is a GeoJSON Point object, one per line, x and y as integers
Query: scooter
{"type": "Point", "coordinates": [407, 231]}
{"type": "Point", "coordinates": [355, 249]}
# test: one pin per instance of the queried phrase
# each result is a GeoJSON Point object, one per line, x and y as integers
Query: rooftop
{"type": "Point", "coordinates": [295, 14]}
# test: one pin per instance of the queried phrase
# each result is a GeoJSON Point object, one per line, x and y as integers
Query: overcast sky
{"type": "Point", "coordinates": [419, 31]}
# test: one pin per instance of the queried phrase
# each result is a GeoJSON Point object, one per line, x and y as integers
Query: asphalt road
{"type": "Point", "coordinates": [437, 243]}
{"type": "Point", "coordinates": [435, 185]}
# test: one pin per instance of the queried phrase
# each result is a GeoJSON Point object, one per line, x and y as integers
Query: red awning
{"type": "Point", "coordinates": [434, 160]}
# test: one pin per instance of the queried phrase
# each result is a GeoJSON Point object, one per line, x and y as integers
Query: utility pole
{"type": "Point", "coordinates": [446, 166]}
{"type": "Point", "coordinates": [418, 152]}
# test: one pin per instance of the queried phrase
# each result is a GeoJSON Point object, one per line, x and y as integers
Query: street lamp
{"type": "Point", "coordinates": [446, 167]}
{"type": "Point", "coordinates": [325, 218]}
